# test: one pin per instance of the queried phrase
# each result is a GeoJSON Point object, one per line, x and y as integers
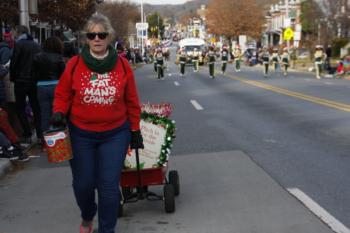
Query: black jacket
{"type": "Point", "coordinates": [22, 60]}
{"type": "Point", "coordinates": [5, 54]}
{"type": "Point", "coordinates": [47, 66]}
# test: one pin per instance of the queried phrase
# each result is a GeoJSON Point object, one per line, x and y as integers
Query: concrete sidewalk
{"type": "Point", "coordinates": [5, 166]}
{"type": "Point", "coordinates": [224, 192]}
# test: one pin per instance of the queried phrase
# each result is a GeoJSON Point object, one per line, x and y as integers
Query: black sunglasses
{"type": "Point", "coordinates": [92, 35]}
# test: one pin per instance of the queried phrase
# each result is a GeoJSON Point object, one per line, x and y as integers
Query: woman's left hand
{"type": "Point", "coordinates": [136, 140]}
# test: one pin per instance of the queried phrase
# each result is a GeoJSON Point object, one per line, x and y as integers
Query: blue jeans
{"type": "Point", "coordinates": [4, 141]}
{"type": "Point", "coordinates": [98, 159]}
{"type": "Point", "coordinates": [45, 97]}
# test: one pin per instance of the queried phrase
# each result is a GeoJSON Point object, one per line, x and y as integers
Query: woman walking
{"type": "Point", "coordinates": [48, 66]}
{"type": "Point", "coordinates": [97, 93]}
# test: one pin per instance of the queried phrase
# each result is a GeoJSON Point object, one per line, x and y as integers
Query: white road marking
{"type": "Point", "coordinates": [328, 83]}
{"type": "Point", "coordinates": [196, 105]}
{"type": "Point", "coordinates": [315, 208]}
{"type": "Point", "coordinates": [176, 83]}
{"type": "Point", "coordinates": [270, 140]}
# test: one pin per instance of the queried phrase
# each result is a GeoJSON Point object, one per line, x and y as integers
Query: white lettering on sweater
{"type": "Point", "coordinates": [99, 89]}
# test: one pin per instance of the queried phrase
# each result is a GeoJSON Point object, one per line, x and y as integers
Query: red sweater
{"type": "Point", "coordinates": [98, 102]}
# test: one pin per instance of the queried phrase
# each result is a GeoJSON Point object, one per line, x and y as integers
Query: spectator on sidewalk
{"type": "Point", "coordinates": [25, 85]}
{"type": "Point", "coordinates": [5, 54]}
{"type": "Point", "coordinates": [9, 143]}
{"type": "Point", "coordinates": [97, 92]}
{"type": "Point", "coordinates": [328, 53]}
{"type": "Point", "coordinates": [340, 69]}
{"type": "Point", "coordinates": [48, 66]}
{"type": "Point", "coordinates": [8, 37]}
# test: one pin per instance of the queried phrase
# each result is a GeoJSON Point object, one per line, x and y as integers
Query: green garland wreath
{"type": "Point", "coordinates": [169, 125]}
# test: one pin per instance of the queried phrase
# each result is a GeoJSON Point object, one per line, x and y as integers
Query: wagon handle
{"type": "Point", "coordinates": [140, 189]}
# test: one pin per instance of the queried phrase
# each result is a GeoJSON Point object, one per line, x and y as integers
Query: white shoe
{"type": "Point", "coordinates": [318, 77]}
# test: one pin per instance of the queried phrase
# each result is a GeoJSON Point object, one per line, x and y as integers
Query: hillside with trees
{"type": "Point", "coordinates": [177, 12]}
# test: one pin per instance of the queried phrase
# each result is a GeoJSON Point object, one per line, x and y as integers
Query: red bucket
{"type": "Point", "coordinates": [58, 146]}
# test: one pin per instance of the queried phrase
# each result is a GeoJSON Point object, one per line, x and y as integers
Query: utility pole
{"type": "Point", "coordinates": [158, 28]}
{"type": "Point", "coordinates": [142, 48]}
{"type": "Point", "coordinates": [23, 13]}
{"type": "Point", "coordinates": [288, 21]}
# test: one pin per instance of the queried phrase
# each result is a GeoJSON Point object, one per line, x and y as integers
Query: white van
{"type": "Point", "coordinates": [189, 44]}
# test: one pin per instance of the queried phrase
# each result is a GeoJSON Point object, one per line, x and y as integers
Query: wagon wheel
{"type": "Point", "coordinates": [174, 180]}
{"type": "Point", "coordinates": [120, 208]}
{"type": "Point", "coordinates": [126, 192]}
{"type": "Point", "coordinates": [169, 198]}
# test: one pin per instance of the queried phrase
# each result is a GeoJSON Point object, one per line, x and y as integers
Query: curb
{"type": "Point", "coordinates": [5, 166]}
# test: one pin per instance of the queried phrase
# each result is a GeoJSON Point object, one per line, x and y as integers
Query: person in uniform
{"type": "Point", "coordinates": [183, 59]}
{"type": "Point", "coordinates": [160, 63]}
{"type": "Point", "coordinates": [237, 54]}
{"type": "Point", "coordinates": [276, 59]}
{"type": "Point", "coordinates": [155, 60]}
{"type": "Point", "coordinates": [195, 59]}
{"type": "Point", "coordinates": [211, 61]}
{"type": "Point", "coordinates": [319, 58]}
{"type": "Point", "coordinates": [285, 61]}
{"type": "Point", "coordinates": [265, 59]}
{"type": "Point", "coordinates": [224, 58]}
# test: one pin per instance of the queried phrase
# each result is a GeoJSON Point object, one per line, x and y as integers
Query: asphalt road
{"type": "Point", "coordinates": [296, 128]}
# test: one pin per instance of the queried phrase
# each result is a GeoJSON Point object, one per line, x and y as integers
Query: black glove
{"type": "Point", "coordinates": [58, 120]}
{"type": "Point", "coordinates": [136, 140]}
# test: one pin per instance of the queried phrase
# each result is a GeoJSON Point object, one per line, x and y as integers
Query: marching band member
{"type": "Point", "coordinates": [319, 57]}
{"type": "Point", "coordinates": [183, 59]}
{"type": "Point", "coordinates": [285, 61]}
{"type": "Point", "coordinates": [276, 59]}
{"type": "Point", "coordinates": [224, 58]}
{"type": "Point", "coordinates": [237, 54]}
{"type": "Point", "coordinates": [195, 59]}
{"type": "Point", "coordinates": [211, 61]}
{"type": "Point", "coordinates": [265, 58]}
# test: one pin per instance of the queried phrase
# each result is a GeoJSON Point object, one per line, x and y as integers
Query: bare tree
{"type": "Point", "coordinates": [9, 11]}
{"type": "Point", "coordinates": [123, 16]}
{"type": "Point", "coordinates": [72, 14]}
{"type": "Point", "coordinates": [314, 25]}
{"type": "Point", "coordinates": [232, 18]}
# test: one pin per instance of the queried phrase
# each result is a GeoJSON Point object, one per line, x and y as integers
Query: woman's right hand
{"type": "Point", "coordinates": [58, 120]}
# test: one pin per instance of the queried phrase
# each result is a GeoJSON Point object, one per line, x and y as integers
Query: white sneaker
{"type": "Point", "coordinates": [318, 77]}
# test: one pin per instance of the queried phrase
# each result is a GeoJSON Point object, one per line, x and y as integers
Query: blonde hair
{"type": "Point", "coordinates": [102, 20]}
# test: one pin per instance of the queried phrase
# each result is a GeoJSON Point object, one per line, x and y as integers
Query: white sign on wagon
{"type": "Point", "coordinates": [153, 139]}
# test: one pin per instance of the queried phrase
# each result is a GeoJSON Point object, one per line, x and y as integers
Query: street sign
{"type": "Point", "coordinates": [288, 34]}
{"type": "Point", "coordinates": [141, 26]}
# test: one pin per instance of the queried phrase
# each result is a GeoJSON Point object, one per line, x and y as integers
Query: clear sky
{"type": "Point", "coordinates": [161, 1]}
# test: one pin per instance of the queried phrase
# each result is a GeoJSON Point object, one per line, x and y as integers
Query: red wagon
{"type": "Point", "coordinates": [135, 185]}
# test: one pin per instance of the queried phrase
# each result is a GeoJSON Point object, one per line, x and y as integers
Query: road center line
{"type": "Point", "coordinates": [196, 105]}
{"type": "Point", "coordinates": [176, 83]}
{"type": "Point", "coordinates": [320, 212]}
{"type": "Point", "coordinates": [325, 102]}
